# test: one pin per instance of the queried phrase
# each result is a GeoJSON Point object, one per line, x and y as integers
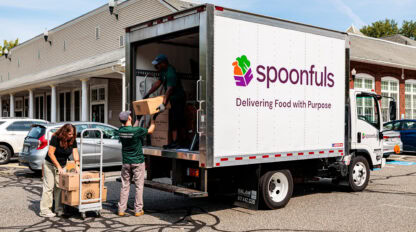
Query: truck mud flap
{"type": "Point", "coordinates": [248, 194]}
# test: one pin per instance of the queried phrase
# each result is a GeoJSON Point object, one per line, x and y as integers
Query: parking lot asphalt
{"type": "Point", "coordinates": [388, 204]}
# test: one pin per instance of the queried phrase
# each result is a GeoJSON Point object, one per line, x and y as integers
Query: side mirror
{"type": "Point", "coordinates": [392, 110]}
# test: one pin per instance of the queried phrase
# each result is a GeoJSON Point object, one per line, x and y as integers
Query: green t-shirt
{"type": "Point", "coordinates": [170, 79]}
{"type": "Point", "coordinates": [131, 141]}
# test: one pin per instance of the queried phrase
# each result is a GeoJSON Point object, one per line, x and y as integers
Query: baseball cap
{"type": "Point", "coordinates": [159, 58]}
{"type": "Point", "coordinates": [124, 115]}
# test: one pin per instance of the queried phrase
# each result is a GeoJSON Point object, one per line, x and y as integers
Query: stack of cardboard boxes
{"type": "Point", "coordinates": [69, 183]}
{"type": "Point", "coordinates": [161, 135]}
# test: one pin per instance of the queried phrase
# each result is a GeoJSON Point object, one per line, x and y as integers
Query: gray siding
{"type": "Point", "coordinates": [36, 55]}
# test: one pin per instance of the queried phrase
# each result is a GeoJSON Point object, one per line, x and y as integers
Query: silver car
{"type": "Point", "coordinates": [36, 145]}
{"type": "Point", "coordinates": [390, 140]}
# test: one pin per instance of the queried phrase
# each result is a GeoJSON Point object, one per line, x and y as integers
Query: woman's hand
{"type": "Point", "coordinates": [61, 170]}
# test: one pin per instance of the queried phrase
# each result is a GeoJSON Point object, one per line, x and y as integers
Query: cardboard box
{"type": "Point", "coordinates": [70, 166]}
{"type": "Point", "coordinates": [160, 138]}
{"type": "Point", "coordinates": [89, 191]}
{"type": "Point", "coordinates": [70, 181]}
{"type": "Point", "coordinates": [162, 121]}
{"type": "Point", "coordinates": [148, 106]}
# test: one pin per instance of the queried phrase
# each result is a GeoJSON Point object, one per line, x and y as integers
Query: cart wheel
{"type": "Point", "coordinates": [83, 216]}
{"type": "Point", "coordinates": [98, 213]}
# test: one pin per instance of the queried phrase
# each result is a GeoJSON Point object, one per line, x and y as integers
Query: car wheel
{"type": "Point", "coordinates": [276, 188]}
{"type": "Point", "coordinates": [5, 154]}
{"type": "Point", "coordinates": [359, 174]}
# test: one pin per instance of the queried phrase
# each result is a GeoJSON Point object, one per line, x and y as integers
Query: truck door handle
{"type": "Point", "coordinates": [359, 137]}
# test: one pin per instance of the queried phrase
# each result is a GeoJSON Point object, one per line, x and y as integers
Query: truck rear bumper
{"type": "Point", "coordinates": [183, 154]}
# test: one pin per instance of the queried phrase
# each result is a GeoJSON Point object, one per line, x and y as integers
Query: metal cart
{"type": "Point", "coordinates": [86, 205]}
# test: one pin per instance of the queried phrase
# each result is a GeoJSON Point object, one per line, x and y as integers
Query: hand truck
{"type": "Point", "coordinates": [90, 204]}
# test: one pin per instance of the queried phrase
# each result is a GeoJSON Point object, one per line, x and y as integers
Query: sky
{"type": "Point", "coordinates": [25, 19]}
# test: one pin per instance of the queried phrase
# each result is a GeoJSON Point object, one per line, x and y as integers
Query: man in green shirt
{"type": "Point", "coordinates": [133, 161]}
{"type": "Point", "coordinates": [174, 94]}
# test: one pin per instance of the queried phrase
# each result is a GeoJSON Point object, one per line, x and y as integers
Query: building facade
{"type": "Point", "coordinates": [76, 73]}
{"type": "Point", "coordinates": [386, 66]}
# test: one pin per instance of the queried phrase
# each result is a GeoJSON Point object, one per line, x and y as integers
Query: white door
{"type": "Point", "coordinates": [368, 125]}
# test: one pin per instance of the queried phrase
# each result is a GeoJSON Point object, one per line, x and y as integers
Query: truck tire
{"type": "Point", "coordinates": [276, 188]}
{"type": "Point", "coordinates": [5, 154]}
{"type": "Point", "coordinates": [359, 174]}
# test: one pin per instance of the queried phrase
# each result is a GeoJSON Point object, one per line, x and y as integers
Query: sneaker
{"type": "Point", "coordinates": [47, 215]}
{"type": "Point", "coordinates": [138, 214]}
{"type": "Point", "coordinates": [121, 214]}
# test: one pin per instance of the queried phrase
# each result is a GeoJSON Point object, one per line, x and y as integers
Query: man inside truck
{"type": "Point", "coordinates": [174, 94]}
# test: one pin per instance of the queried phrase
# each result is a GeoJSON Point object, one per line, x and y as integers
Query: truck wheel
{"type": "Point", "coordinates": [359, 174]}
{"type": "Point", "coordinates": [5, 154]}
{"type": "Point", "coordinates": [276, 188]}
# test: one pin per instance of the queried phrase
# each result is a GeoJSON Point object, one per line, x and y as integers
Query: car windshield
{"type": "Point", "coordinates": [36, 132]}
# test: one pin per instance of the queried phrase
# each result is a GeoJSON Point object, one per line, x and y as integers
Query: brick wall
{"type": "Point", "coordinates": [378, 72]}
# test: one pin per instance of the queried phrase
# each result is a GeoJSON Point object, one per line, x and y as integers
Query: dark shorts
{"type": "Point", "coordinates": [177, 114]}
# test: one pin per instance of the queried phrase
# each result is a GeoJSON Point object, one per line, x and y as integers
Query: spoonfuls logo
{"type": "Point", "coordinates": [242, 71]}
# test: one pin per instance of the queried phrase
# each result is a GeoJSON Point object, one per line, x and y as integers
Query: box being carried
{"type": "Point", "coordinates": [148, 106]}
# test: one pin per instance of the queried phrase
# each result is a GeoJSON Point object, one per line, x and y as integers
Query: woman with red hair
{"type": "Point", "coordinates": [62, 144]}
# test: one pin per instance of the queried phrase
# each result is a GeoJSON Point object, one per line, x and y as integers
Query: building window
{"type": "Point", "coordinates": [38, 54]}
{"type": "Point", "coordinates": [65, 106]}
{"type": "Point", "coordinates": [121, 41]}
{"type": "Point", "coordinates": [77, 105]}
{"type": "Point", "coordinates": [389, 88]}
{"type": "Point", "coordinates": [26, 107]}
{"type": "Point", "coordinates": [99, 104]}
{"type": "Point", "coordinates": [410, 99]}
{"type": "Point", "coordinates": [39, 107]}
{"type": "Point", "coordinates": [18, 111]}
{"type": "Point", "coordinates": [97, 32]}
{"type": "Point", "coordinates": [64, 45]}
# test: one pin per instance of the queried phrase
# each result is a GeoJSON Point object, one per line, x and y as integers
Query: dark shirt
{"type": "Point", "coordinates": [131, 141]}
{"type": "Point", "coordinates": [61, 154]}
{"type": "Point", "coordinates": [170, 79]}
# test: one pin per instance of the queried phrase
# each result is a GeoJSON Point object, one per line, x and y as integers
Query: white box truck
{"type": "Point", "coordinates": [272, 105]}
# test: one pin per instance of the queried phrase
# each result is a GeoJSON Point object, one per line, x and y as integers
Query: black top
{"type": "Point", "coordinates": [61, 154]}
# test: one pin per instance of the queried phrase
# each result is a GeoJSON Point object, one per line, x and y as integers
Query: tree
{"type": "Point", "coordinates": [381, 28]}
{"type": "Point", "coordinates": [9, 45]}
{"type": "Point", "coordinates": [408, 29]}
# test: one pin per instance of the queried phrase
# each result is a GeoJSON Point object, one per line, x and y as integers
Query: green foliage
{"type": "Point", "coordinates": [408, 29]}
{"type": "Point", "coordinates": [381, 28]}
{"type": "Point", "coordinates": [390, 27]}
{"type": "Point", "coordinates": [9, 45]}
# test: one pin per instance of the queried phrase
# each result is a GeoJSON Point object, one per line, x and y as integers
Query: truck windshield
{"type": "Point", "coordinates": [367, 110]}
{"type": "Point", "coordinates": [36, 132]}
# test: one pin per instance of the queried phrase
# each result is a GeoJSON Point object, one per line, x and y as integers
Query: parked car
{"type": "Point", "coordinates": [36, 144]}
{"type": "Point", "coordinates": [407, 130]}
{"type": "Point", "coordinates": [391, 139]}
{"type": "Point", "coordinates": [12, 134]}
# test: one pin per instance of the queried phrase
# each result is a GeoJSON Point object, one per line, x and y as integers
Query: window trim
{"type": "Point", "coordinates": [105, 102]}
{"type": "Point", "coordinates": [365, 76]}
{"type": "Point", "coordinates": [411, 82]}
{"type": "Point", "coordinates": [389, 79]}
